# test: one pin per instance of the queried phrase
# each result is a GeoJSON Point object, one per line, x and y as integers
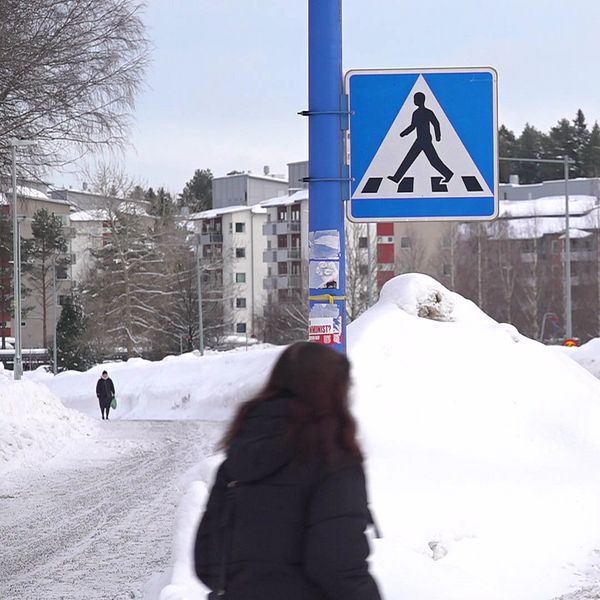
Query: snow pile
{"type": "Point", "coordinates": [34, 425]}
{"type": "Point", "coordinates": [189, 386]}
{"type": "Point", "coordinates": [483, 450]}
{"type": "Point", "coordinates": [587, 355]}
{"type": "Point", "coordinates": [483, 454]}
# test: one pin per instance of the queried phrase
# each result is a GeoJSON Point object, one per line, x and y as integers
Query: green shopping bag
{"type": "Point", "coordinates": [113, 402]}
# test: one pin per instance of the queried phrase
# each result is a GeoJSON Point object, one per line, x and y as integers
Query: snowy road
{"type": "Point", "coordinates": [98, 523]}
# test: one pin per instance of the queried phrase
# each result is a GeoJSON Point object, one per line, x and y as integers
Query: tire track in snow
{"type": "Point", "coordinates": [99, 523]}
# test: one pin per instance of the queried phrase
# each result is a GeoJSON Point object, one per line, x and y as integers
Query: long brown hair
{"type": "Point", "coordinates": [316, 379]}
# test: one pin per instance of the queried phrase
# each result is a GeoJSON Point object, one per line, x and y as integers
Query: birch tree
{"type": "Point", "coordinates": [70, 71]}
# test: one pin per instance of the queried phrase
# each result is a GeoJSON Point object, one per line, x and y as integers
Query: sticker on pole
{"type": "Point", "coordinates": [325, 324]}
{"type": "Point", "coordinates": [423, 145]}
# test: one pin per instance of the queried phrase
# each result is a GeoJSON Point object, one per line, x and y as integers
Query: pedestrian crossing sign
{"type": "Point", "coordinates": [423, 144]}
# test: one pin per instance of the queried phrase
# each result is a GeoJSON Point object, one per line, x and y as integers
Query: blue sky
{"type": "Point", "coordinates": [229, 76]}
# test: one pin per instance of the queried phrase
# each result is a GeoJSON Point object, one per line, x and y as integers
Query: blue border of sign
{"type": "Point", "coordinates": [388, 98]}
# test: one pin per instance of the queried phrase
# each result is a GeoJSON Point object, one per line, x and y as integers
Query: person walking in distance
{"type": "Point", "coordinates": [105, 390]}
{"type": "Point", "coordinates": [287, 513]}
{"type": "Point", "coordinates": [422, 120]}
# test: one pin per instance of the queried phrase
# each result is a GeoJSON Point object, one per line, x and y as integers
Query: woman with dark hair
{"type": "Point", "coordinates": [286, 516]}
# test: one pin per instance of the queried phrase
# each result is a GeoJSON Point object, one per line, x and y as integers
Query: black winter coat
{"type": "Point", "coordinates": [105, 390]}
{"type": "Point", "coordinates": [295, 530]}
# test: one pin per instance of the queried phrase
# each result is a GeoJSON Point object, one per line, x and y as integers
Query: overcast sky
{"type": "Point", "coordinates": [229, 76]}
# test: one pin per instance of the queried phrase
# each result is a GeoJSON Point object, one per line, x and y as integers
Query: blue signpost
{"type": "Point", "coordinates": [326, 269]}
{"type": "Point", "coordinates": [423, 144]}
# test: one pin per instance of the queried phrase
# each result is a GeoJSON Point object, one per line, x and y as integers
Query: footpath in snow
{"type": "Point", "coordinates": [97, 523]}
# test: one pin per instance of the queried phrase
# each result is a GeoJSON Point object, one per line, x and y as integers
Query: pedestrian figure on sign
{"type": "Point", "coordinates": [287, 513]}
{"type": "Point", "coordinates": [105, 392]}
{"type": "Point", "coordinates": [422, 120]}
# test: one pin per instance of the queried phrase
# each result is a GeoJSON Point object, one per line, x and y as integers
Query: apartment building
{"type": "Point", "coordinates": [286, 253]}
{"type": "Point", "coordinates": [231, 246]}
{"type": "Point", "coordinates": [31, 197]}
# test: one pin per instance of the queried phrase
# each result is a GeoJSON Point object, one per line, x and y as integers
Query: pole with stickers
{"type": "Point", "coordinates": [326, 268]}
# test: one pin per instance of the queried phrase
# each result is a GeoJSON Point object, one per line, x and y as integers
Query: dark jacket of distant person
{"type": "Point", "coordinates": [289, 503]}
{"type": "Point", "coordinates": [105, 390]}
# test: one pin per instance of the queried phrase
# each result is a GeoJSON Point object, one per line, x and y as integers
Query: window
{"type": "Point", "coordinates": [240, 252]}
{"type": "Point", "coordinates": [527, 246]}
{"type": "Point", "coordinates": [282, 241]}
{"type": "Point", "coordinates": [404, 242]}
{"type": "Point", "coordinates": [295, 213]}
{"type": "Point", "coordinates": [62, 272]}
{"type": "Point", "coordinates": [240, 327]}
{"type": "Point", "coordinates": [447, 269]}
{"type": "Point", "coordinates": [363, 269]}
{"type": "Point", "coordinates": [268, 244]}
{"type": "Point", "coordinates": [282, 268]}
{"type": "Point", "coordinates": [556, 246]}
{"type": "Point", "coordinates": [62, 300]}
{"type": "Point", "coordinates": [240, 227]}
{"type": "Point", "coordinates": [281, 213]}
{"type": "Point", "coordinates": [240, 277]}
{"type": "Point", "coordinates": [240, 302]}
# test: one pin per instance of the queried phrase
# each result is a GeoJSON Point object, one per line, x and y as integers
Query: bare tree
{"type": "Point", "coordinates": [69, 74]}
{"type": "Point", "coordinates": [530, 280]}
{"type": "Point", "coordinates": [357, 268]}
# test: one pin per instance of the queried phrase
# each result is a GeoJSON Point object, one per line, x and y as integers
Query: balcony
{"type": "Point", "coordinates": [281, 282]}
{"type": "Point", "coordinates": [281, 228]}
{"type": "Point", "coordinates": [211, 238]}
{"type": "Point", "coordinates": [282, 255]}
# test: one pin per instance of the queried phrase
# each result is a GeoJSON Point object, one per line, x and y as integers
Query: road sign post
{"type": "Point", "coordinates": [326, 268]}
{"type": "Point", "coordinates": [423, 144]}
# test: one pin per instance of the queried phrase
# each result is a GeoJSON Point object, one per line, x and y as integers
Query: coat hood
{"type": "Point", "coordinates": [261, 447]}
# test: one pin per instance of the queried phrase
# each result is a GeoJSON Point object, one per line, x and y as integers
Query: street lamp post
{"type": "Point", "coordinates": [565, 161]}
{"type": "Point", "coordinates": [54, 302]}
{"type": "Point", "coordinates": [18, 359]}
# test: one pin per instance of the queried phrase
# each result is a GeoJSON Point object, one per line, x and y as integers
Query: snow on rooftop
{"type": "Point", "coordinates": [89, 215]}
{"type": "Point", "coordinates": [534, 226]}
{"type": "Point", "coordinates": [286, 200]}
{"type": "Point", "coordinates": [546, 206]}
{"type": "Point", "coordinates": [576, 233]}
{"type": "Point", "coordinates": [214, 213]}
{"type": "Point", "coordinates": [33, 193]}
{"type": "Point", "coordinates": [275, 178]}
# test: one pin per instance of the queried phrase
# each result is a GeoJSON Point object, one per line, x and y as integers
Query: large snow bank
{"type": "Point", "coordinates": [483, 450]}
{"type": "Point", "coordinates": [483, 454]}
{"type": "Point", "coordinates": [587, 355]}
{"type": "Point", "coordinates": [189, 386]}
{"type": "Point", "coordinates": [34, 424]}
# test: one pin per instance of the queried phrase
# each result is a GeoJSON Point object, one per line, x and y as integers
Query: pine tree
{"type": "Point", "coordinates": [591, 153]}
{"type": "Point", "coordinates": [582, 138]}
{"type": "Point", "coordinates": [161, 203]}
{"type": "Point", "coordinates": [45, 247]}
{"type": "Point", "coordinates": [530, 145]}
{"type": "Point", "coordinates": [73, 347]}
{"type": "Point", "coordinates": [563, 137]}
{"type": "Point", "coordinates": [197, 193]}
{"type": "Point", "coordinates": [507, 148]}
